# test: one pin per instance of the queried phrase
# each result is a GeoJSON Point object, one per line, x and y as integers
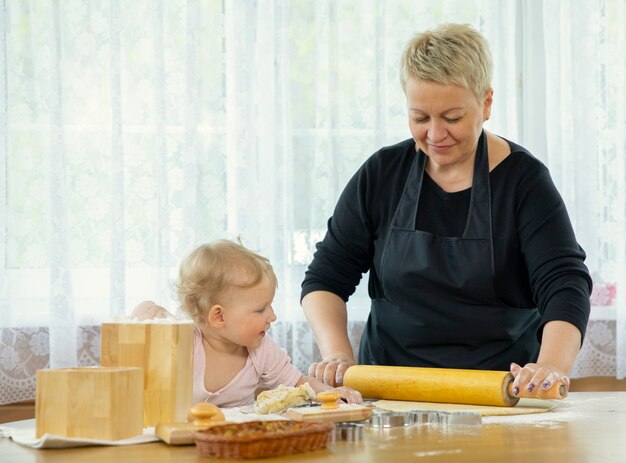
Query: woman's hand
{"type": "Point", "coordinates": [331, 369]}
{"type": "Point", "coordinates": [536, 375]}
{"type": "Point", "coordinates": [350, 395]}
{"type": "Point", "coordinates": [148, 310]}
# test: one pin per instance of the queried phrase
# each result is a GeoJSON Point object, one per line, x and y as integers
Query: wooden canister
{"type": "Point", "coordinates": [91, 403]}
{"type": "Point", "coordinates": [165, 352]}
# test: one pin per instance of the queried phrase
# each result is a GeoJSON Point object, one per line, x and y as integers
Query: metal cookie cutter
{"type": "Point", "coordinates": [421, 417]}
{"type": "Point", "coordinates": [461, 418]}
{"type": "Point", "coordinates": [443, 418]}
{"type": "Point", "coordinates": [391, 419]}
{"type": "Point", "coordinates": [350, 432]}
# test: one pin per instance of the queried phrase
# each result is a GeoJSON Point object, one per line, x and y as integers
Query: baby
{"type": "Point", "coordinates": [228, 291]}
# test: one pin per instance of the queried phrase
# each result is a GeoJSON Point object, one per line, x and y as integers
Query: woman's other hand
{"type": "Point", "coordinates": [351, 396]}
{"type": "Point", "coordinates": [148, 310]}
{"type": "Point", "coordinates": [532, 376]}
{"type": "Point", "coordinates": [331, 369]}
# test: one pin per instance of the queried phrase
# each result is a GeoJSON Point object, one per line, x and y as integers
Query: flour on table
{"type": "Point", "coordinates": [525, 406]}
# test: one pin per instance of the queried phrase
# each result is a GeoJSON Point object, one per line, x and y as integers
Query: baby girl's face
{"type": "Point", "coordinates": [249, 313]}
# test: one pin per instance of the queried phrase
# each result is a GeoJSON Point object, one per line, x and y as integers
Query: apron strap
{"type": "Point", "coordinates": [478, 225]}
{"type": "Point", "coordinates": [406, 212]}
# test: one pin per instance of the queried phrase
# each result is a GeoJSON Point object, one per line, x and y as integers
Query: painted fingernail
{"type": "Point", "coordinates": [531, 387]}
{"type": "Point", "coordinates": [516, 390]}
{"type": "Point", "coordinates": [546, 384]}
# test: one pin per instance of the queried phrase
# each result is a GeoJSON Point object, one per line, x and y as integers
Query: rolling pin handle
{"type": "Point", "coordinates": [557, 391]}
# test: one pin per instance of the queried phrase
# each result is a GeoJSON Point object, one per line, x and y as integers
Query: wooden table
{"type": "Point", "coordinates": [586, 427]}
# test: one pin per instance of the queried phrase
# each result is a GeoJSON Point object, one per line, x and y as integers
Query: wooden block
{"type": "Point", "coordinates": [94, 403]}
{"type": "Point", "coordinates": [345, 412]}
{"type": "Point", "coordinates": [165, 352]}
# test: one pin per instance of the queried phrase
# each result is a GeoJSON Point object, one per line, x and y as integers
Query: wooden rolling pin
{"type": "Point", "coordinates": [443, 385]}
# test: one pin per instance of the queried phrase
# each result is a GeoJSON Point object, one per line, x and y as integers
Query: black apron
{"type": "Point", "coordinates": [440, 308]}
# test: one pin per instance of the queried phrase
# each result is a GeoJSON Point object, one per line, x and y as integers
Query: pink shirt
{"type": "Point", "coordinates": [268, 366]}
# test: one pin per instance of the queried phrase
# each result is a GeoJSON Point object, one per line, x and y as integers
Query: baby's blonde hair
{"type": "Point", "coordinates": [211, 269]}
{"type": "Point", "coordinates": [450, 54]}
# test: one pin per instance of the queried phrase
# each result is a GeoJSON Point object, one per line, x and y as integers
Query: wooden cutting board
{"type": "Point", "coordinates": [345, 412]}
{"type": "Point", "coordinates": [180, 433]}
{"type": "Point", "coordinates": [176, 433]}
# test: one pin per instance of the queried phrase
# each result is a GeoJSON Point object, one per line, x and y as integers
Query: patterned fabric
{"type": "Point", "coordinates": [23, 351]}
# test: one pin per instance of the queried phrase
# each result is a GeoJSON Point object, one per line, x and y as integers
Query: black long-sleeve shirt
{"type": "Point", "coordinates": [538, 262]}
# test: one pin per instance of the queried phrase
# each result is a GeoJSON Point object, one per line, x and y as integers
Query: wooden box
{"type": "Point", "coordinates": [165, 352]}
{"type": "Point", "coordinates": [92, 402]}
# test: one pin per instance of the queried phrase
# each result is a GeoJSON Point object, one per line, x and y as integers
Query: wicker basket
{"type": "Point", "coordinates": [257, 439]}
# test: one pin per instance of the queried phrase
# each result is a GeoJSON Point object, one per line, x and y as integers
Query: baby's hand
{"type": "Point", "coordinates": [148, 310]}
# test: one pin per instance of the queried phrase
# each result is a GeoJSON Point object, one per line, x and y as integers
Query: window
{"type": "Point", "coordinates": [130, 132]}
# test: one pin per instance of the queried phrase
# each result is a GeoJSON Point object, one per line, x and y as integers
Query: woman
{"type": "Point", "coordinates": [472, 258]}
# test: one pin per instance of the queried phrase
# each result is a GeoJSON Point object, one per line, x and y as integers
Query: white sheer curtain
{"type": "Point", "coordinates": [130, 132]}
{"type": "Point", "coordinates": [580, 125]}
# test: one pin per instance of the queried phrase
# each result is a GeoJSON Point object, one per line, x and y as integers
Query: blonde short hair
{"type": "Point", "coordinates": [210, 270]}
{"type": "Point", "coordinates": [450, 54]}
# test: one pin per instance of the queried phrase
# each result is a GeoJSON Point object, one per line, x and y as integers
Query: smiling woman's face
{"type": "Point", "coordinates": [445, 120]}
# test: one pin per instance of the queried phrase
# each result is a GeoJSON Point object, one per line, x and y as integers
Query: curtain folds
{"type": "Point", "coordinates": [130, 132]}
{"type": "Point", "coordinates": [585, 145]}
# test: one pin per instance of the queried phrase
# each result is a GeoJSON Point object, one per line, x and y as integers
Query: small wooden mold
{"type": "Point", "coordinates": [329, 400]}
